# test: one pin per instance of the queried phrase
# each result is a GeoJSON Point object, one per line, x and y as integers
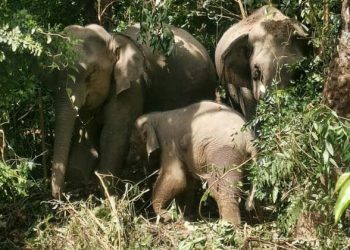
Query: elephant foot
{"type": "Point", "coordinates": [56, 189]}
{"type": "Point", "coordinates": [57, 180]}
{"type": "Point", "coordinates": [235, 221]}
{"type": "Point", "coordinates": [231, 215]}
{"type": "Point", "coordinates": [165, 217]}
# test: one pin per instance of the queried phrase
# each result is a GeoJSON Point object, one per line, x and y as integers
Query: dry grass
{"type": "Point", "coordinates": [112, 223]}
{"type": "Point", "coordinates": [91, 224]}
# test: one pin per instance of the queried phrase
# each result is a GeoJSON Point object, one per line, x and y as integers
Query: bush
{"type": "Point", "coordinates": [15, 182]}
{"type": "Point", "coordinates": [303, 144]}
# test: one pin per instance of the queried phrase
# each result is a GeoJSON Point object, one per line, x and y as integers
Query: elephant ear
{"type": "Point", "coordinates": [151, 138]}
{"type": "Point", "coordinates": [130, 62]}
{"type": "Point", "coordinates": [300, 37]}
{"type": "Point", "coordinates": [147, 133]}
{"type": "Point", "coordinates": [236, 68]}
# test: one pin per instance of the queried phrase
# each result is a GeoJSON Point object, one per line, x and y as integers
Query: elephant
{"type": "Point", "coordinates": [253, 53]}
{"type": "Point", "coordinates": [97, 101]}
{"type": "Point", "coordinates": [204, 141]}
{"type": "Point", "coordinates": [186, 77]}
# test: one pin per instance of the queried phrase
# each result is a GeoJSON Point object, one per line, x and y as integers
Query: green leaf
{"type": "Point", "coordinates": [325, 156]}
{"type": "Point", "coordinates": [342, 179]}
{"type": "Point", "coordinates": [314, 135]}
{"type": "Point", "coordinates": [331, 160]}
{"type": "Point", "coordinates": [69, 92]}
{"type": "Point", "coordinates": [329, 148]}
{"type": "Point", "coordinates": [72, 77]}
{"type": "Point", "coordinates": [275, 194]}
{"type": "Point", "coordinates": [49, 39]}
{"type": "Point", "coordinates": [343, 200]}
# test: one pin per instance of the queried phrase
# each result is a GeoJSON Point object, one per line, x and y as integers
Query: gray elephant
{"type": "Point", "coordinates": [203, 140]}
{"type": "Point", "coordinates": [95, 109]}
{"type": "Point", "coordinates": [251, 54]}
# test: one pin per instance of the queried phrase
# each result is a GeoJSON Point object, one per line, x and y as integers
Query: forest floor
{"type": "Point", "coordinates": [122, 222]}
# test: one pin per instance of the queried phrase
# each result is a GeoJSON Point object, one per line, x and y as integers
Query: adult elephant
{"type": "Point", "coordinates": [251, 54]}
{"type": "Point", "coordinates": [106, 92]}
{"type": "Point", "coordinates": [187, 76]}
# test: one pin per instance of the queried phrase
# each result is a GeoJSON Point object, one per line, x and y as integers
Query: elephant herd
{"type": "Point", "coordinates": [125, 101]}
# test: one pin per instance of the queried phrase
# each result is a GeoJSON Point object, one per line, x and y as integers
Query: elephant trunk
{"type": "Point", "coordinates": [64, 125]}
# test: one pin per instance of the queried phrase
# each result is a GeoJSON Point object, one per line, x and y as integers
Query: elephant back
{"type": "Point", "coordinates": [186, 76]}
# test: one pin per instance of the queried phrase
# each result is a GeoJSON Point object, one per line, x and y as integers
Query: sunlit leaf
{"type": "Point", "coordinates": [343, 200]}
{"type": "Point", "coordinates": [325, 156]}
{"type": "Point", "coordinates": [342, 179]}
{"type": "Point", "coordinates": [72, 77]}
{"type": "Point", "coordinates": [69, 92]}
{"type": "Point", "coordinates": [49, 39]}
{"type": "Point", "coordinates": [329, 148]}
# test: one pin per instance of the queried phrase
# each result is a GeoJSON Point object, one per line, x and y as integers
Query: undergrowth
{"type": "Point", "coordinates": [303, 147]}
{"type": "Point", "coordinates": [33, 221]}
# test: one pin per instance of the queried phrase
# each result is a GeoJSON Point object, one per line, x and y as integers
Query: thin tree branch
{"type": "Point", "coordinates": [107, 6]}
{"type": "Point", "coordinates": [243, 13]}
{"type": "Point", "coordinates": [42, 133]}
{"type": "Point", "coordinates": [326, 23]}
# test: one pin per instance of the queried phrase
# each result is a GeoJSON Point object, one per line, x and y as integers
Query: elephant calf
{"type": "Point", "coordinates": [203, 140]}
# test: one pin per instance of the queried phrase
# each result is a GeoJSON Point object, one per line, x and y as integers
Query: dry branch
{"type": "Point", "coordinates": [101, 7]}
{"type": "Point", "coordinates": [243, 13]}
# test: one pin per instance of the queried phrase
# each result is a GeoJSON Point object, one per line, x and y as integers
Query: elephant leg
{"type": "Point", "coordinates": [119, 113]}
{"type": "Point", "coordinates": [223, 184]}
{"type": "Point", "coordinates": [114, 143]}
{"type": "Point", "coordinates": [170, 183]}
{"type": "Point", "coordinates": [186, 198]}
{"type": "Point", "coordinates": [84, 154]}
{"type": "Point", "coordinates": [225, 193]}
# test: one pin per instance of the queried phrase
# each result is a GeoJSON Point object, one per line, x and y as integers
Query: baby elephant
{"type": "Point", "coordinates": [203, 140]}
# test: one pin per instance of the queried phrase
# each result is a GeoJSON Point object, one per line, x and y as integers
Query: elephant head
{"type": "Point", "coordinates": [253, 53]}
{"type": "Point", "coordinates": [105, 66]}
{"type": "Point", "coordinates": [143, 140]}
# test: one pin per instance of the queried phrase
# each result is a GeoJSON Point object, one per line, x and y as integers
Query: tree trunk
{"type": "Point", "coordinates": [336, 93]}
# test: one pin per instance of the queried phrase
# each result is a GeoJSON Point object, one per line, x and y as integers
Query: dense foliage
{"type": "Point", "coordinates": [303, 145]}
